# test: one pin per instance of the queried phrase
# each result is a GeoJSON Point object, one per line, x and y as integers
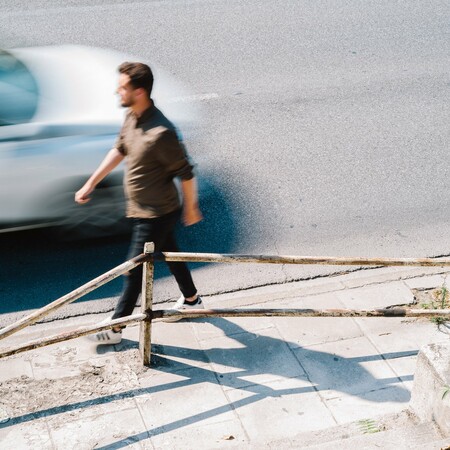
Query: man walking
{"type": "Point", "coordinates": [154, 157]}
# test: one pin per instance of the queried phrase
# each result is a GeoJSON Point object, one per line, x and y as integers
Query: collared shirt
{"type": "Point", "coordinates": [154, 157]}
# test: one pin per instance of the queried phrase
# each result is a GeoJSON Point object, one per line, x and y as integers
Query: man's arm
{"type": "Point", "coordinates": [191, 210]}
{"type": "Point", "coordinates": [112, 160]}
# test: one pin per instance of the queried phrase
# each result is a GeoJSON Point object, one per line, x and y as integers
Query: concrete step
{"type": "Point", "coordinates": [402, 430]}
{"type": "Point", "coordinates": [421, 436]}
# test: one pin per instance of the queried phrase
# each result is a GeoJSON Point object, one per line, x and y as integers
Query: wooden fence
{"type": "Point", "coordinates": [147, 314]}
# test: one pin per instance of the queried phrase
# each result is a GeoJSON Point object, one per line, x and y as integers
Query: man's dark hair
{"type": "Point", "coordinates": [140, 74]}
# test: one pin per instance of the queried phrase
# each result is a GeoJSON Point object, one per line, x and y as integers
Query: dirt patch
{"type": "Point", "coordinates": [95, 381]}
{"type": "Point", "coordinates": [437, 298]}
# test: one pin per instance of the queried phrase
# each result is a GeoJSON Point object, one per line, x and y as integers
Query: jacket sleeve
{"type": "Point", "coordinates": [171, 153]}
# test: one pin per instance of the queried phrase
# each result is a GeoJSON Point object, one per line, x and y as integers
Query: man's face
{"type": "Point", "coordinates": [126, 91]}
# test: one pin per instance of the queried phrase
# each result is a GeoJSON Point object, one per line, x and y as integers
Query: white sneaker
{"type": "Point", "coordinates": [106, 337]}
{"type": "Point", "coordinates": [181, 305]}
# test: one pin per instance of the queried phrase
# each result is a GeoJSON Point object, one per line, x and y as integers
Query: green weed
{"type": "Point", "coordinates": [368, 426]}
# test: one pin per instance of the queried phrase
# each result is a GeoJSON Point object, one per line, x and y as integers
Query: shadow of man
{"type": "Point", "coordinates": [259, 364]}
{"type": "Point", "coordinates": [265, 356]}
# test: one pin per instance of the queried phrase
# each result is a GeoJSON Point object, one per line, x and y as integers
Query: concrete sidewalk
{"type": "Point", "coordinates": [231, 383]}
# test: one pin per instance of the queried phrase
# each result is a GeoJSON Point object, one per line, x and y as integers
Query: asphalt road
{"type": "Point", "coordinates": [325, 129]}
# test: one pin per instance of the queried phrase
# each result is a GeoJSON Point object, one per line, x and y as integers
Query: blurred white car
{"type": "Point", "coordinates": [58, 118]}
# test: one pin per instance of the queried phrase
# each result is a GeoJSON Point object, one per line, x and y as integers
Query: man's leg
{"type": "Point", "coordinates": [160, 231]}
{"type": "Point", "coordinates": [165, 229]}
{"type": "Point", "coordinates": [180, 270]}
{"type": "Point", "coordinates": [132, 288]}
{"type": "Point", "coordinates": [142, 233]}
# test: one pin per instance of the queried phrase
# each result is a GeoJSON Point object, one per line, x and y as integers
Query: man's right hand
{"type": "Point", "coordinates": [83, 195]}
{"type": "Point", "coordinates": [111, 160]}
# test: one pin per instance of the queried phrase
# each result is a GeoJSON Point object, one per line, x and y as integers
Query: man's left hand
{"type": "Point", "coordinates": [191, 216]}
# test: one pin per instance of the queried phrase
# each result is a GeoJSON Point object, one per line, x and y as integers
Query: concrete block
{"type": "Point", "coordinates": [431, 381]}
{"type": "Point", "coordinates": [249, 358]}
{"type": "Point", "coordinates": [350, 367]}
{"type": "Point", "coordinates": [279, 409]}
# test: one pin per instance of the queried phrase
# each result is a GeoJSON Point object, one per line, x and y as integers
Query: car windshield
{"type": "Point", "coordinates": [18, 91]}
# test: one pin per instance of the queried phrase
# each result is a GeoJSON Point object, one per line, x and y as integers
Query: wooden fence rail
{"type": "Point", "coordinates": [310, 260]}
{"type": "Point", "coordinates": [148, 315]}
{"type": "Point", "coordinates": [82, 331]}
{"type": "Point", "coordinates": [72, 296]}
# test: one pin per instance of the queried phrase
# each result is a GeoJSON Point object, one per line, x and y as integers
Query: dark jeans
{"type": "Point", "coordinates": [160, 231]}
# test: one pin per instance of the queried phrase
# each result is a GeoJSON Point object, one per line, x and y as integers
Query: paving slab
{"type": "Point", "coordinates": [211, 328]}
{"type": "Point", "coordinates": [170, 412]}
{"type": "Point", "coordinates": [15, 367]}
{"type": "Point", "coordinates": [384, 275]}
{"type": "Point", "coordinates": [280, 409]}
{"type": "Point", "coordinates": [429, 282]}
{"type": "Point", "coordinates": [349, 367]}
{"type": "Point", "coordinates": [162, 379]}
{"type": "Point", "coordinates": [404, 438]}
{"type": "Point", "coordinates": [30, 435]}
{"type": "Point", "coordinates": [181, 414]}
{"type": "Point", "coordinates": [387, 326]}
{"type": "Point", "coordinates": [395, 334]}
{"type": "Point", "coordinates": [251, 358]}
{"type": "Point", "coordinates": [274, 294]}
{"type": "Point", "coordinates": [372, 297]}
{"type": "Point", "coordinates": [404, 367]}
{"type": "Point", "coordinates": [367, 405]}
{"type": "Point", "coordinates": [318, 286]}
{"type": "Point", "coordinates": [306, 331]}
{"type": "Point", "coordinates": [90, 408]}
{"type": "Point", "coordinates": [176, 344]}
{"type": "Point", "coordinates": [316, 301]}
{"type": "Point", "coordinates": [97, 432]}
{"type": "Point", "coordinates": [224, 435]}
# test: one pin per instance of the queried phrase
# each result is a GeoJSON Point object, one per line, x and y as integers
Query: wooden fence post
{"type": "Point", "coordinates": [145, 338]}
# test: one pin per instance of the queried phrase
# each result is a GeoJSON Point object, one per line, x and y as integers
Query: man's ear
{"type": "Point", "coordinates": [139, 92]}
